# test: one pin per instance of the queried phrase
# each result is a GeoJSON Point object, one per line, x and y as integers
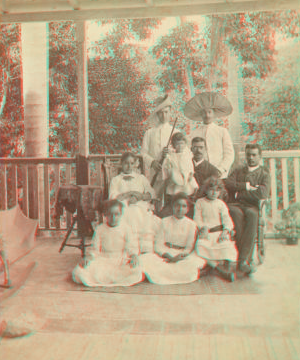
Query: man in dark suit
{"type": "Point", "coordinates": [246, 186]}
{"type": "Point", "coordinates": [202, 168]}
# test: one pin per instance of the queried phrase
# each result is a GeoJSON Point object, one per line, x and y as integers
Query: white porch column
{"type": "Point", "coordinates": [82, 166]}
{"type": "Point", "coordinates": [83, 124]}
{"type": "Point", "coordinates": [236, 97]}
{"type": "Point", "coordinates": [35, 100]}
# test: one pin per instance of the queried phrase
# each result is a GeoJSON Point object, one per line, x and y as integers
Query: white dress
{"type": "Point", "coordinates": [178, 233]}
{"type": "Point", "coordinates": [212, 213]}
{"type": "Point", "coordinates": [138, 216]}
{"type": "Point", "coordinates": [109, 258]}
{"type": "Point", "coordinates": [220, 151]}
{"type": "Point", "coordinates": [179, 169]}
{"type": "Point", "coordinates": [155, 139]}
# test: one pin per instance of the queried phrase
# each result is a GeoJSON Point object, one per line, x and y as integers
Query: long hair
{"type": "Point", "coordinates": [214, 182]}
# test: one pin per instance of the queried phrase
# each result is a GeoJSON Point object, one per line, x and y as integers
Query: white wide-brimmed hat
{"type": "Point", "coordinates": [205, 101]}
{"type": "Point", "coordinates": [161, 102]}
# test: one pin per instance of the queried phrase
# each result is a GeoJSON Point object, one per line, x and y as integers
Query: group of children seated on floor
{"type": "Point", "coordinates": [174, 248]}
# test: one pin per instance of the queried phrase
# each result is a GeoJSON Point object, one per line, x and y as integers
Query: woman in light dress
{"type": "Point", "coordinates": [135, 192]}
{"type": "Point", "coordinates": [175, 261]}
{"type": "Point", "coordinates": [215, 229]}
{"type": "Point", "coordinates": [113, 258]}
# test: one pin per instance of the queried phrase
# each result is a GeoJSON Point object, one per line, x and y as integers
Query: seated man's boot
{"type": "Point", "coordinates": [226, 272]}
{"type": "Point", "coordinates": [207, 270]}
{"type": "Point", "coordinates": [245, 268]}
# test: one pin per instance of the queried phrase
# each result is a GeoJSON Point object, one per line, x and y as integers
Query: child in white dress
{"type": "Point", "coordinates": [215, 228]}
{"type": "Point", "coordinates": [135, 192]}
{"type": "Point", "coordinates": [178, 173]}
{"type": "Point", "coordinates": [113, 258]}
{"type": "Point", "coordinates": [175, 261]}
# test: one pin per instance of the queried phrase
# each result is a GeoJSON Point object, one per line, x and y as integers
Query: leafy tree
{"type": "Point", "coordinates": [63, 106]}
{"type": "Point", "coordinates": [11, 110]}
{"type": "Point", "coordinates": [118, 83]}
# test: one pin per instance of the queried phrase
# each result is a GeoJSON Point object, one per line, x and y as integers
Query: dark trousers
{"type": "Point", "coordinates": [245, 220]}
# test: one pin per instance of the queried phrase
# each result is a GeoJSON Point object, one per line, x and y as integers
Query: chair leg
{"type": "Point", "coordinates": [74, 219]}
{"type": "Point", "coordinates": [7, 281]}
{"type": "Point", "coordinates": [82, 247]}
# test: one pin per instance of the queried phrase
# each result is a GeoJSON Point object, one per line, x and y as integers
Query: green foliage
{"type": "Point", "coordinates": [182, 55]}
{"type": "Point", "coordinates": [11, 110]}
{"type": "Point", "coordinates": [118, 84]}
{"type": "Point", "coordinates": [289, 227]}
{"type": "Point", "coordinates": [63, 106]}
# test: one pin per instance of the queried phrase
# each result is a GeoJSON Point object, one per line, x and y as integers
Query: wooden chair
{"type": "Point", "coordinates": [112, 168]}
{"type": "Point", "coordinates": [260, 239]}
{"type": "Point", "coordinates": [3, 260]}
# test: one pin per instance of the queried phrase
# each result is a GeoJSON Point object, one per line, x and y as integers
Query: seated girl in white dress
{"type": "Point", "coordinates": [135, 192]}
{"type": "Point", "coordinates": [178, 173]}
{"type": "Point", "coordinates": [215, 224]}
{"type": "Point", "coordinates": [175, 261]}
{"type": "Point", "coordinates": [112, 259]}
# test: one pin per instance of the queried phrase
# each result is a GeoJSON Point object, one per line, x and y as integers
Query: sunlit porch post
{"type": "Point", "coordinates": [35, 100]}
{"type": "Point", "coordinates": [82, 175]}
{"type": "Point", "coordinates": [236, 96]}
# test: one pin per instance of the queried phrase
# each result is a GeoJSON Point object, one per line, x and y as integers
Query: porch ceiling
{"type": "Point", "coordinates": [57, 10]}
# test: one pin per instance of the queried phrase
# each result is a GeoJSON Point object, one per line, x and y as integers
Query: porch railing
{"type": "Point", "coordinates": [47, 174]}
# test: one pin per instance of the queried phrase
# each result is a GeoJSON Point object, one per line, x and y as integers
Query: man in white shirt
{"type": "Point", "coordinates": [207, 107]}
{"type": "Point", "coordinates": [155, 140]}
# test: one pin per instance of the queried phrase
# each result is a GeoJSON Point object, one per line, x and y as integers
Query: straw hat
{"type": "Point", "coordinates": [161, 102]}
{"type": "Point", "coordinates": [205, 101]}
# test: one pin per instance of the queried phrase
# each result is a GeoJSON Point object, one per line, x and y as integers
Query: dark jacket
{"type": "Point", "coordinates": [202, 172]}
{"type": "Point", "coordinates": [236, 185]}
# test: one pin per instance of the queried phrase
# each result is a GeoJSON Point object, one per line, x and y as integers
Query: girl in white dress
{"type": "Point", "coordinates": [175, 261]}
{"type": "Point", "coordinates": [178, 168]}
{"type": "Point", "coordinates": [113, 258]}
{"type": "Point", "coordinates": [215, 229]}
{"type": "Point", "coordinates": [178, 173]}
{"type": "Point", "coordinates": [135, 192]}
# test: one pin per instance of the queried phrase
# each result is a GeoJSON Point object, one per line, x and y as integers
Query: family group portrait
{"type": "Point", "coordinates": [149, 179]}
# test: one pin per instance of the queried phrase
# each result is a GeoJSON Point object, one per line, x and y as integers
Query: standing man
{"type": "Point", "coordinates": [155, 140]}
{"type": "Point", "coordinates": [246, 186]}
{"type": "Point", "coordinates": [207, 107]}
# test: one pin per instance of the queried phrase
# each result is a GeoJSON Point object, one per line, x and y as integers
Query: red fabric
{"type": "Point", "coordinates": [18, 233]}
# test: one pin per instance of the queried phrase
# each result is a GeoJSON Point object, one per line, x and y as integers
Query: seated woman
{"type": "Point", "coordinates": [212, 217]}
{"type": "Point", "coordinates": [135, 192]}
{"type": "Point", "coordinates": [178, 173]}
{"type": "Point", "coordinates": [112, 259]}
{"type": "Point", "coordinates": [175, 261]}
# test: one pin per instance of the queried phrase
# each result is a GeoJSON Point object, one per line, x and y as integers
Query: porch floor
{"type": "Point", "coordinates": [92, 325]}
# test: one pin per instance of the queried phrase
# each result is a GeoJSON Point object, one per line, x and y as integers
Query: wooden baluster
{"type": "Point", "coordinates": [25, 189]}
{"type": "Point", "coordinates": [47, 196]}
{"type": "Point", "coordinates": [42, 200]}
{"type": "Point", "coordinates": [33, 193]}
{"type": "Point", "coordinates": [14, 191]}
{"type": "Point", "coordinates": [285, 189]}
{"type": "Point", "coordinates": [3, 187]}
{"type": "Point", "coordinates": [98, 173]}
{"type": "Point", "coordinates": [297, 182]}
{"type": "Point", "coordinates": [273, 189]}
{"type": "Point", "coordinates": [56, 187]}
{"type": "Point", "coordinates": [68, 181]}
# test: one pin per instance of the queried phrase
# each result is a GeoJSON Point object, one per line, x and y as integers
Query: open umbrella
{"type": "Point", "coordinates": [205, 101]}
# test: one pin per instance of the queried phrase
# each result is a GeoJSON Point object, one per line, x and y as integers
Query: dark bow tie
{"type": "Point", "coordinates": [128, 177]}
